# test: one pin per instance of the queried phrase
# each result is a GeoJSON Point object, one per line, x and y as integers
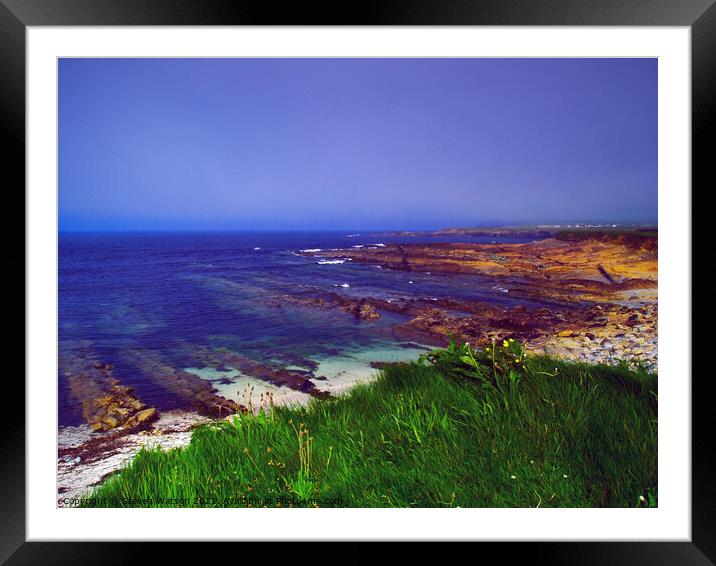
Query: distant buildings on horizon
{"type": "Point", "coordinates": [577, 225]}
{"type": "Point", "coordinates": [593, 225]}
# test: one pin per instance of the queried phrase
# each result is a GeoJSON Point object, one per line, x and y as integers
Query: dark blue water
{"type": "Point", "coordinates": [172, 292]}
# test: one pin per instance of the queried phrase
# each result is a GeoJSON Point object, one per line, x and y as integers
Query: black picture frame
{"type": "Point", "coordinates": [17, 15]}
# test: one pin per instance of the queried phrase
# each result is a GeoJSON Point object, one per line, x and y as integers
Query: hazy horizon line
{"type": "Point", "coordinates": [541, 226]}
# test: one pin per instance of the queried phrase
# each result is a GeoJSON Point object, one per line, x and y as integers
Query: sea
{"type": "Point", "coordinates": [168, 294]}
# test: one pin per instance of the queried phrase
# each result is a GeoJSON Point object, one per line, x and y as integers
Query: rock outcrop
{"type": "Point", "coordinates": [584, 270]}
{"type": "Point", "coordinates": [601, 294]}
{"type": "Point", "coordinates": [197, 392]}
{"type": "Point", "coordinates": [105, 403]}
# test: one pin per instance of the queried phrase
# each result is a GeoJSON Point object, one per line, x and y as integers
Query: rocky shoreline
{"type": "Point", "coordinates": [108, 405]}
{"type": "Point", "coordinates": [118, 424]}
{"type": "Point", "coordinates": [602, 292]}
{"type": "Point", "coordinates": [85, 458]}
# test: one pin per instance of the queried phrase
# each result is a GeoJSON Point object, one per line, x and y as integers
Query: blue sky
{"type": "Point", "coordinates": [359, 144]}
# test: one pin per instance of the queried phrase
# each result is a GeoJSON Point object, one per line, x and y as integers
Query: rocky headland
{"type": "Point", "coordinates": [599, 292]}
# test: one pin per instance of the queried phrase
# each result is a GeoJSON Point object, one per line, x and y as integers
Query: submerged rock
{"type": "Point", "coordinates": [298, 380]}
{"type": "Point", "coordinates": [363, 311]}
{"type": "Point", "coordinates": [196, 391]}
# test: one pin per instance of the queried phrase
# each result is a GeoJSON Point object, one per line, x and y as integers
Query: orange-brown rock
{"type": "Point", "coordinates": [106, 404]}
{"type": "Point", "coordinates": [602, 294]}
{"type": "Point", "coordinates": [587, 269]}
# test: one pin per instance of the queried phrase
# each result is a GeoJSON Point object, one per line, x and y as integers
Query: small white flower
{"type": "Point", "coordinates": [641, 498]}
{"type": "Point", "coordinates": [514, 477]}
{"type": "Point", "coordinates": [564, 476]}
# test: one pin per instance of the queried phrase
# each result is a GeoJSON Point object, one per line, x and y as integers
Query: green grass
{"type": "Point", "coordinates": [555, 434]}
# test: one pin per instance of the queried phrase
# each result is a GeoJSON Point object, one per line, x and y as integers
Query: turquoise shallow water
{"type": "Point", "coordinates": [175, 295]}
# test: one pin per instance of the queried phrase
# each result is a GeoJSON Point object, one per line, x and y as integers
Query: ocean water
{"type": "Point", "coordinates": [128, 296]}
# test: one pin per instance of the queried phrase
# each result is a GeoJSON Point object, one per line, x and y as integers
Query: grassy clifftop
{"type": "Point", "coordinates": [499, 432]}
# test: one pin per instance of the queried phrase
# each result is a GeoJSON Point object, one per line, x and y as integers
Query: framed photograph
{"type": "Point", "coordinates": [408, 274]}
